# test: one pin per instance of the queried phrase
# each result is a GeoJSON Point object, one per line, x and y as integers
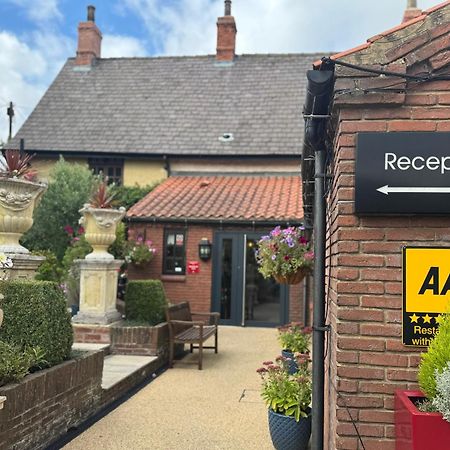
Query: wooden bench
{"type": "Point", "coordinates": [184, 330]}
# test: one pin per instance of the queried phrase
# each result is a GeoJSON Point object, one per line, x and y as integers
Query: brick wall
{"type": "Point", "coordinates": [197, 288]}
{"type": "Point", "coordinates": [367, 360]}
{"type": "Point", "coordinates": [47, 403]}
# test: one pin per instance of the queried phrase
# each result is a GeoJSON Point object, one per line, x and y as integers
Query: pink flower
{"type": "Point", "coordinates": [309, 255]}
{"type": "Point", "coordinates": [267, 363]}
{"type": "Point", "coordinates": [140, 239]}
{"type": "Point", "coordinates": [68, 229]}
{"type": "Point", "coordinates": [261, 370]}
{"type": "Point", "coordinates": [80, 230]}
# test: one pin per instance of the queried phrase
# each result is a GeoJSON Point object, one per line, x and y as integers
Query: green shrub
{"type": "Point", "coordinates": [15, 362]}
{"type": "Point", "coordinates": [69, 188]}
{"type": "Point", "coordinates": [119, 247]}
{"type": "Point", "coordinates": [127, 196]}
{"type": "Point", "coordinates": [435, 359]}
{"type": "Point", "coordinates": [50, 269]}
{"type": "Point", "coordinates": [36, 316]}
{"type": "Point", "coordinates": [145, 300]}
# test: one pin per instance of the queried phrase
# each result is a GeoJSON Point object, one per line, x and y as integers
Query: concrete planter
{"type": "Point", "coordinates": [100, 226]}
{"type": "Point", "coordinates": [416, 430]}
{"type": "Point", "coordinates": [18, 199]}
{"type": "Point", "coordinates": [45, 404]}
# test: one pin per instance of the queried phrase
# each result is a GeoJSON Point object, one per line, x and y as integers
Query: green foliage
{"type": "Point", "coordinates": [15, 362]}
{"type": "Point", "coordinates": [295, 338]}
{"type": "Point", "coordinates": [69, 188]}
{"type": "Point", "coordinates": [145, 300]}
{"type": "Point", "coordinates": [51, 269]}
{"type": "Point", "coordinates": [119, 247]}
{"type": "Point", "coordinates": [435, 359]}
{"type": "Point", "coordinates": [283, 393]}
{"type": "Point", "coordinates": [127, 196]}
{"type": "Point", "coordinates": [78, 250]}
{"type": "Point", "coordinates": [36, 316]}
{"type": "Point", "coordinates": [442, 400]}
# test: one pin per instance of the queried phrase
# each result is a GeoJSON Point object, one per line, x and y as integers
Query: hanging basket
{"type": "Point", "coordinates": [293, 278]}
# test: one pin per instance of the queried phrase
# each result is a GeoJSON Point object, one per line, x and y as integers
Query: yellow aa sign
{"type": "Point", "coordinates": [426, 279]}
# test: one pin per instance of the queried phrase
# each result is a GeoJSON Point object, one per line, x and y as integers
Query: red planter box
{"type": "Point", "coordinates": [415, 430]}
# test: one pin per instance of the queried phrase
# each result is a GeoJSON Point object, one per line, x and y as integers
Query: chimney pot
{"type": "Point", "coordinates": [91, 13]}
{"type": "Point", "coordinates": [228, 7]}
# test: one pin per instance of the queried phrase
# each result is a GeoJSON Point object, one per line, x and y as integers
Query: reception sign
{"type": "Point", "coordinates": [402, 173]}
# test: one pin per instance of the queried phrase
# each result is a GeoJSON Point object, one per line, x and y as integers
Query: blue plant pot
{"type": "Point", "coordinates": [293, 367]}
{"type": "Point", "coordinates": [287, 434]}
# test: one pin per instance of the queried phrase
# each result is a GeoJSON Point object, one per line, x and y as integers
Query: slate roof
{"type": "Point", "coordinates": [240, 198]}
{"type": "Point", "coordinates": [174, 106]}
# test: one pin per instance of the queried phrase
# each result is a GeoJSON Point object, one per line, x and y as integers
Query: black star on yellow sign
{"type": "Point", "coordinates": [414, 318]}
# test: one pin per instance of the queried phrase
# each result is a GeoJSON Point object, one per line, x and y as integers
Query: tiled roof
{"type": "Point", "coordinates": [174, 106]}
{"type": "Point", "coordinates": [248, 198]}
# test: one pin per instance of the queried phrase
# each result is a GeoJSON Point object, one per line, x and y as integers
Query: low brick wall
{"type": "Point", "coordinates": [92, 334]}
{"type": "Point", "coordinates": [140, 340]}
{"type": "Point", "coordinates": [47, 403]}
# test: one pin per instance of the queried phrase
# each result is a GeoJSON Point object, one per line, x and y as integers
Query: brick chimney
{"type": "Point", "coordinates": [226, 35]}
{"type": "Point", "coordinates": [412, 11]}
{"type": "Point", "coordinates": [89, 40]}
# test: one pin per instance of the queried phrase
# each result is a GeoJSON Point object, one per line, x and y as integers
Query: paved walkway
{"type": "Point", "coordinates": [216, 408]}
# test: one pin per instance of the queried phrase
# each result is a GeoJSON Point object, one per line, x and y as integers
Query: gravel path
{"type": "Point", "coordinates": [217, 408]}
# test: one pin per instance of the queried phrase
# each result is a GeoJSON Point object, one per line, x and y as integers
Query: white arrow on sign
{"type": "Point", "coordinates": [413, 190]}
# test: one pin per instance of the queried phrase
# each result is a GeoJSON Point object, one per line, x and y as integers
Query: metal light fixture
{"type": "Point", "coordinates": [204, 249]}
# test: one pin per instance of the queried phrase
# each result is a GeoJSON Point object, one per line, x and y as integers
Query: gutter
{"type": "Point", "coordinates": [196, 221]}
{"type": "Point", "coordinates": [316, 113]}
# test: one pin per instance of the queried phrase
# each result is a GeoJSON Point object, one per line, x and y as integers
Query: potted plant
{"type": "Point", "coordinates": [425, 413]}
{"type": "Point", "coordinates": [139, 252]}
{"type": "Point", "coordinates": [19, 194]}
{"type": "Point", "coordinates": [288, 398]}
{"type": "Point", "coordinates": [100, 220]}
{"type": "Point", "coordinates": [285, 255]}
{"type": "Point", "coordinates": [295, 342]}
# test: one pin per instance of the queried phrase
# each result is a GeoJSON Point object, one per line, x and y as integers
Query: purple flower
{"type": "Point", "coordinates": [274, 257]}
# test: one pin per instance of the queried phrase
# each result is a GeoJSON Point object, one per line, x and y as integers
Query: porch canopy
{"type": "Point", "coordinates": [268, 200]}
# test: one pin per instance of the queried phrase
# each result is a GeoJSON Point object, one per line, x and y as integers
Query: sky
{"type": "Point", "coordinates": [37, 36]}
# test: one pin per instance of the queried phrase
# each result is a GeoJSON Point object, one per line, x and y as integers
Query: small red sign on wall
{"type": "Point", "coordinates": [193, 267]}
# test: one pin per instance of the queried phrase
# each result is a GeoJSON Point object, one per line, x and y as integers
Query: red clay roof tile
{"type": "Point", "coordinates": [224, 197]}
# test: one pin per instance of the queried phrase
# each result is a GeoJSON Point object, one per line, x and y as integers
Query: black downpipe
{"type": "Point", "coordinates": [317, 108]}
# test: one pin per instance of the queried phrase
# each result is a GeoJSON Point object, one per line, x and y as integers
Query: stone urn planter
{"type": "Point", "coordinates": [100, 227]}
{"type": "Point", "coordinates": [18, 198]}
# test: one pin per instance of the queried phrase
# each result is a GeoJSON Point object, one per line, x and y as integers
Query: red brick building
{"type": "Point", "coordinates": [366, 359]}
{"type": "Point", "coordinates": [231, 213]}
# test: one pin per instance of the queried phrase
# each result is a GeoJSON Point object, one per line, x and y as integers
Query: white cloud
{"type": "Point", "coordinates": [40, 10]}
{"type": "Point", "coordinates": [25, 72]}
{"type": "Point", "coordinates": [116, 46]}
{"type": "Point", "coordinates": [184, 27]}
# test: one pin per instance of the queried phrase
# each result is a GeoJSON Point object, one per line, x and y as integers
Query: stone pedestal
{"type": "Point", "coordinates": [24, 266]}
{"type": "Point", "coordinates": [98, 291]}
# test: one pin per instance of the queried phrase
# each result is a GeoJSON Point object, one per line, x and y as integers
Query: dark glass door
{"type": "Point", "coordinates": [240, 293]}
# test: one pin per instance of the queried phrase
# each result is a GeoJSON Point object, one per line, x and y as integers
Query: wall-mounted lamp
{"type": "Point", "coordinates": [204, 249]}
